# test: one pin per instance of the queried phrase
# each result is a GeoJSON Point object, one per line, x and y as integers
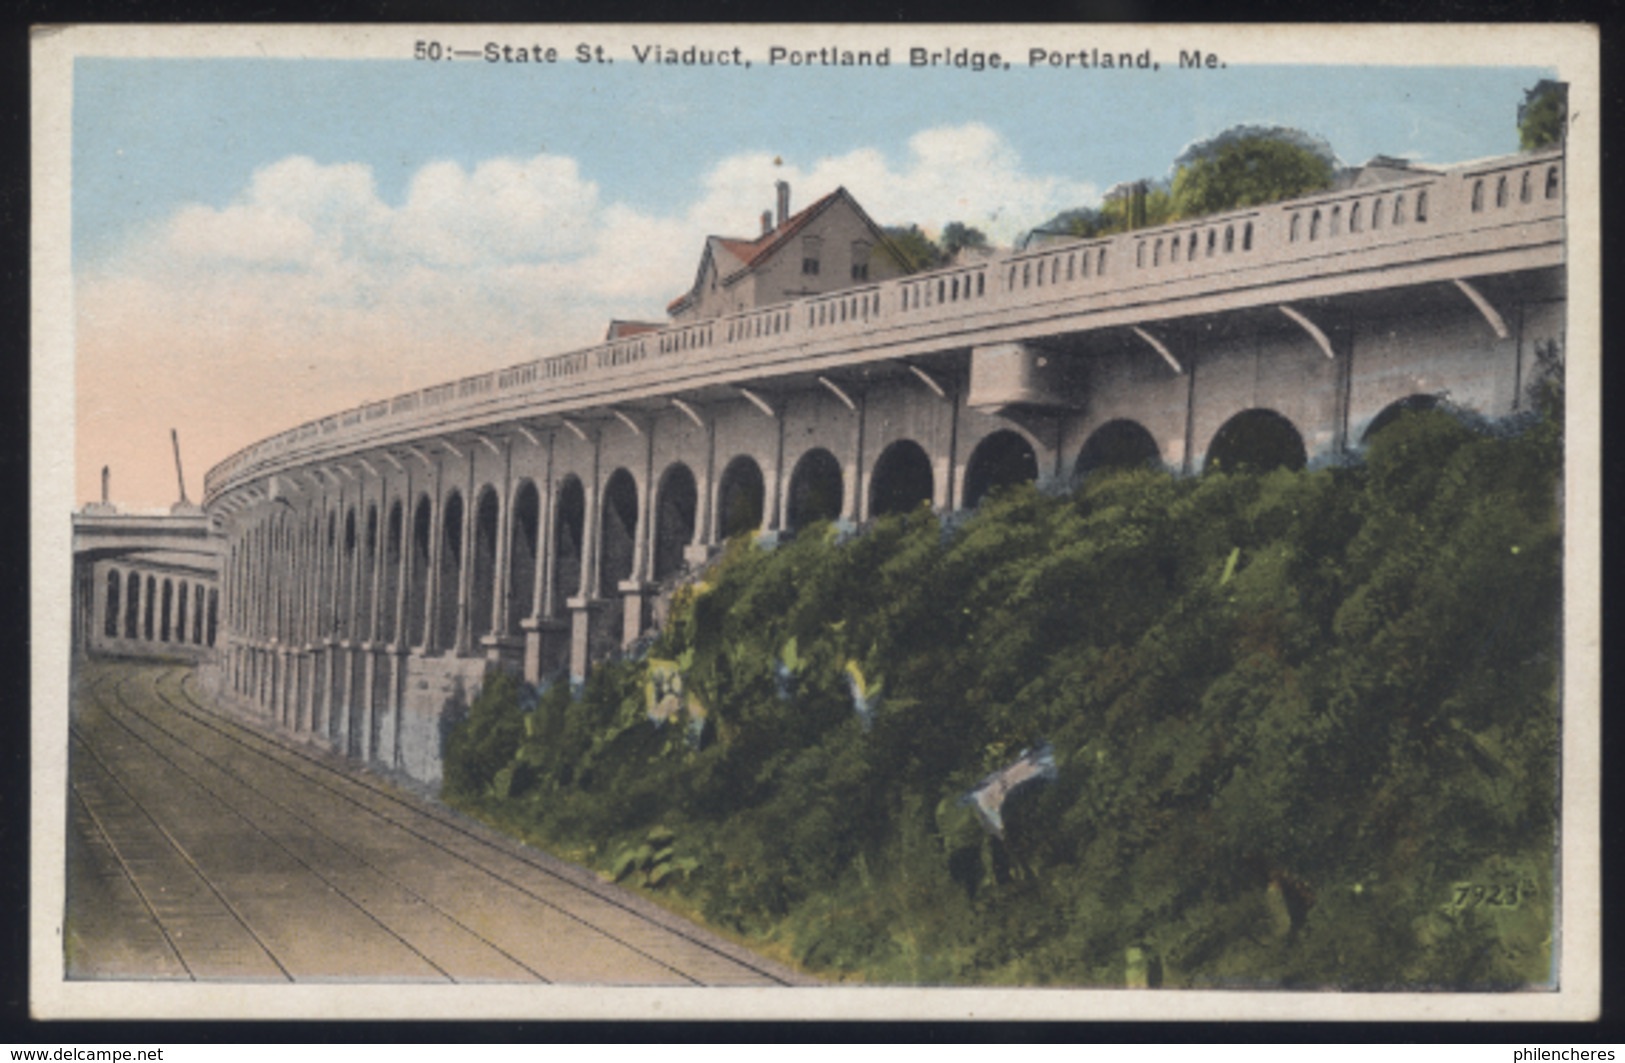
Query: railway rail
{"type": "Point", "coordinates": [200, 848]}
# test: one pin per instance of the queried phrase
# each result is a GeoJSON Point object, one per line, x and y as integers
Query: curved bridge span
{"type": "Point", "coordinates": [379, 559]}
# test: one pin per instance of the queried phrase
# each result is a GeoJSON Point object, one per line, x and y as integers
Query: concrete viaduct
{"type": "Point", "coordinates": [375, 562]}
{"type": "Point", "coordinates": [145, 584]}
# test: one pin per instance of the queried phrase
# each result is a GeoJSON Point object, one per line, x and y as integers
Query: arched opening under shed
{"type": "Point", "coordinates": [902, 479]}
{"type": "Point", "coordinates": [817, 489]}
{"type": "Point", "coordinates": [618, 532]}
{"type": "Point", "coordinates": [569, 522]}
{"type": "Point", "coordinates": [740, 498]}
{"type": "Point", "coordinates": [1002, 459]}
{"type": "Point", "coordinates": [1256, 441]}
{"type": "Point", "coordinates": [1118, 444]}
{"type": "Point", "coordinates": [1396, 411]}
{"type": "Point", "coordinates": [675, 505]}
{"type": "Point", "coordinates": [451, 572]}
{"type": "Point", "coordinates": [482, 589]}
{"type": "Point", "coordinates": [417, 600]}
{"type": "Point", "coordinates": [522, 555]}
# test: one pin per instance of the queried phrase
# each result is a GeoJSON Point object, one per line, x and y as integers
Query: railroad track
{"type": "Point", "coordinates": [200, 848]}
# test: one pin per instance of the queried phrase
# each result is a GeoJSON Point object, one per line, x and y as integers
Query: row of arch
{"type": "Point", "coordinates": [409, 572]}
{"type": "Point", "coordinates": [148, 608]}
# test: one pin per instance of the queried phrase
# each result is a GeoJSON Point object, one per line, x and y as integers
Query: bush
{"type": "Point", "coordinates": [1294, 715]}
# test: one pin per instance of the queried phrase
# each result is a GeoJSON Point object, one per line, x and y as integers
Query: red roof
{"type": "Point", "coordinates": [754, 252]}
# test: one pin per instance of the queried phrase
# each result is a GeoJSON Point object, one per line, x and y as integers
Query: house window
{"type": "Point", "coordinates": [860, 260]}
{"type": "Point", "coordinates": [810, 254]}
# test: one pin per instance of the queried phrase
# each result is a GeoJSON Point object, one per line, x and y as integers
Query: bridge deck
{"type": "Point", "coordinates": [1442, 229]}
{"type": "Point", "coordinates": [201, 849]}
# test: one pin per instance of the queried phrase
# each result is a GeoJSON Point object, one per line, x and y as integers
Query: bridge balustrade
{"type": "Point", "coordinates": [1493, 195]}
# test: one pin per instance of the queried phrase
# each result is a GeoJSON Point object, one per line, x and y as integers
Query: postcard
{"type": "Point", "coordinates": [805, 521]}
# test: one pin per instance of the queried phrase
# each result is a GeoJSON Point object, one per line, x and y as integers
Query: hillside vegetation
{"type": "Point", "coordinates": [1304, 728]}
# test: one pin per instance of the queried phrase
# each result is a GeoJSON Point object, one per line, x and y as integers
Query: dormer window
{"type": "Point", "coordinates": [810, 252]}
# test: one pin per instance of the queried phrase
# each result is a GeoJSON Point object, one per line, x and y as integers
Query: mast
{"type": "Point", "coordinates": [179, 476]}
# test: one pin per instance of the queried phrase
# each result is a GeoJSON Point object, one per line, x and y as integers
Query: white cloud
{"type": "Point", "coordinates": [309, 293]}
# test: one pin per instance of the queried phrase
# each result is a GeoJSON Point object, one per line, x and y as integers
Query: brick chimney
{"type": "Point", "coordinates": [784, 201]}
{"type": "Point", "coordinates": [767, 222]}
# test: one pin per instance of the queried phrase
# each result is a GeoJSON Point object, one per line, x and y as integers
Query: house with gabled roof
{"type": "Point", "coordinates": [830, 245]}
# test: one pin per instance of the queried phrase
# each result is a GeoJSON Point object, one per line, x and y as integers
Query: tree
{"type": "Point", "coordinates": [957, 236]}
{"type": "Point", "coordinates": [914, 249]}
{"type": "Point", "coordinates": [1247, 171]}
{"type": "Point", "coordinates": [1543, 115]}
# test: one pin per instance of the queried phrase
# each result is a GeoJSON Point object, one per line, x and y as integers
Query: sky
{"type": "Point", "coordinates": [260, 242]}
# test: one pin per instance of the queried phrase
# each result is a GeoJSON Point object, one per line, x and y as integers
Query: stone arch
{"type": "Point", "coordinates": [1117, 444]}
{"type": "Point", "coordinates": [483, 580]}
{"type": "Point", "coordinates": [450, 587]}
{"type": "Point", "coordinates": [569, 526]}
{"type": "Point", "coordinates": [618, 532]}
{"type": "Point", "coordinates": [110, 614]}
{"type": "Point", "coordinates": [1396, 410]}
{"type": "Point", "coordinates": [417, 592]}
{"type": "Point", "coordinates": [902, 479]}
{"type": "Point", "coordinates": [676, 503]}
{"type": "Point", "coordinates": [523, 542]}
{"type": "Point", "coordinates": [1002, 458]}
{"type": "Point", "coordinates": [741, 494]}
{"type": "Point", "coordinates": [132, 606]}
{"type": "Point", "coordinates": [817, 490]}
{"type": "Point", "coordinates": [1256, 440]}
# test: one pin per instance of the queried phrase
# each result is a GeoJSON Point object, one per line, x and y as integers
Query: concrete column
{"type": "Point", "coordinates": [379, 546]}
{"type": "Point", "coordinates": [954, 470]}
{"type": "Point", "coordinates": [541, 601]}
{"type": "Point", "coordinates": [542, 627]}
{"type": "Point", "coordinates": [369, 666]}
{"type": "Point", "coordinates": [1187, 463]}
{"type": "Point", "coordinates": [403, 627]}
{"type": "Point", "coordinates": [635, 590]}
{"type": "Point", "coordinates": [432, 596]}
{"type": "Point", "coordinates": [338, 731]}
{"type": "Point", "coordinates": [698, 550]}
{"type": "Point", "coordinates": [251, 585]}
{"type": "Point", "coordinates": [858, 500]}
{"type": "Point", "coordinates": [501, 593]}
{"type": "Point", "coordinates": [465, 564]}
{"type": "Point", "coordinates": [593, 523]}
{"type": "Point", "coordinates": [586, 609]}
{"type": "Point", "coordinates": [286, 709]}
{"type": "Point", "coordinates": [1342, 338]}
{"type": "Point", "coordinates": [98, 606]}
{"type": "Point", "coordinates": [502, 647]}
{"type": "Point", "coordinates": [352, 618]}
{"type": "Point", "coordinates": [774, 487]}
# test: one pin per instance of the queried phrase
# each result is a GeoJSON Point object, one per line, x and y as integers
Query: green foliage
{"type": "Point", "coordinates": [916, 251]}
{"type": "Point", "coordinates": [912, 248]}
{"type": "Point", "coordinates": [483, 744]}
{"type": "Point", "coordinates": [1247, 172]}
{"type": "Point", "coordinates": [1305, 726]}
{"type": "Point", "coordinates": [1543, 115]}
{"type": "Point", "coordinates": [957, 237]}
